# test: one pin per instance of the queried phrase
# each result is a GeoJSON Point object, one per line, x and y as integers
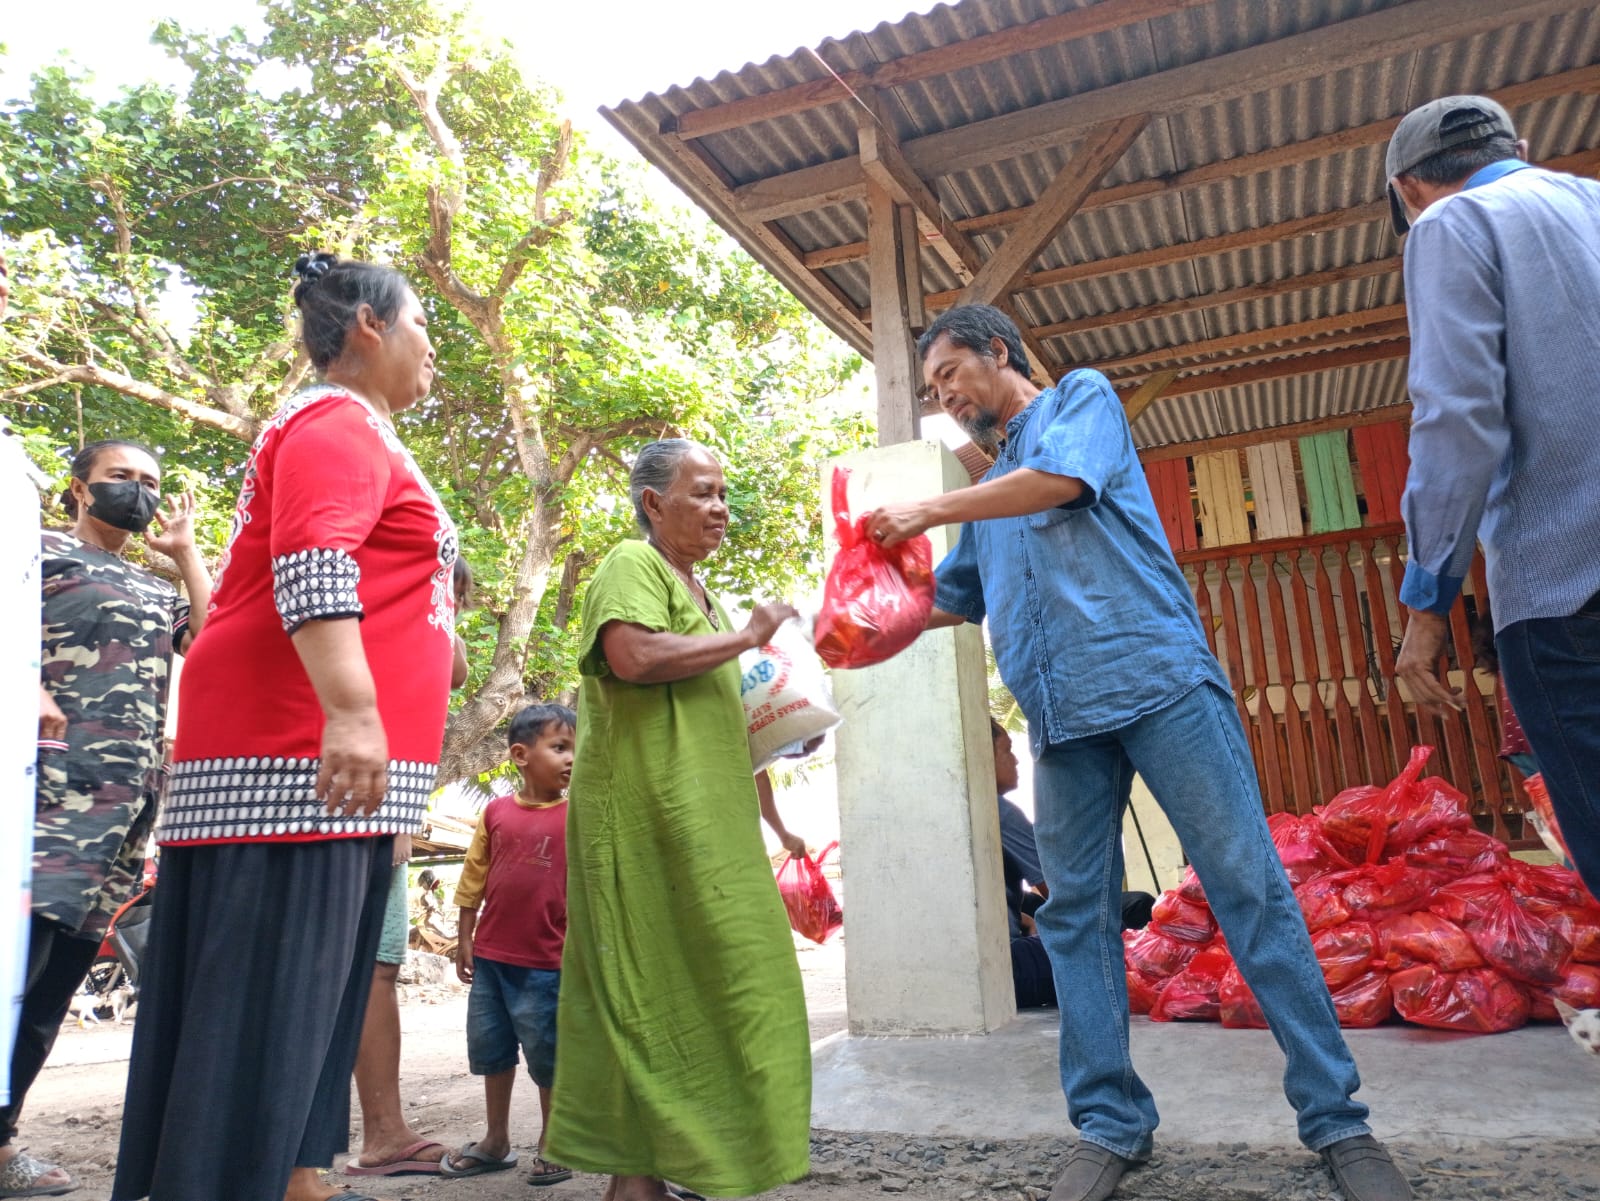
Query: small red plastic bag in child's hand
{"type": "Point", "coordinates": [877, 600]}
{"type": "Point", "coordinates": [807, 895]}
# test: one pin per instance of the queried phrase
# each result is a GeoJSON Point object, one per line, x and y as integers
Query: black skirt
{"type": "Point", "coordinates": [250, 1014]}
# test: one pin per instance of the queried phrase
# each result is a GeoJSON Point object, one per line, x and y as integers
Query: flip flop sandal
{"type": "Point", "coordinates": [544, 1172]}
{"type": "Point", "coordinates": [406, 1163]}
{"type": "Point", "coordinates": [19, 1177]}
{"type": "Point", "coordinates": [482, 1162]}
{"type": "Point", "coordinates": [683, 1194]}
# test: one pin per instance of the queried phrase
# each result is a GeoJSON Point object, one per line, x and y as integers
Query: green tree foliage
{"type": "Point", "coordinates": [575, 319]}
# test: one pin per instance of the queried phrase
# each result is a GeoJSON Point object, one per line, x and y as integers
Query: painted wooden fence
{"type": "Point", "coordinates": [1296, 554]}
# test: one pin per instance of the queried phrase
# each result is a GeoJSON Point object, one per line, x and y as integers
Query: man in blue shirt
{"type": "Point", "coordinates": [1097, 636]}
{"type": "Point", "coordinates": [1502, 270]}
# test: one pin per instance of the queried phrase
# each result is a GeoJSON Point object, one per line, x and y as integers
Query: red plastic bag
{"type": "Point", "coordinates": [1365, 1002]}
{"type": "Point", "coordinates": [1193, 994]}
{"type": "Point", "coordinates": [1522, 945]}
{"type": "Point", "coordinates": [1459, 853]}
{"type": "Point", "coordinates": [1580, 926]}
{"type": "Point", "coordinates": [1240, 1009]}
{"type": "Point", "coordinates": [1322, 902]}
{"type": "Point", "coordinates": [1303, 847]}
{"type": "Point", "coordinates": [807, 895]}
{"type": "Point", "coordinates": [1469, 899]}
{"type": "Point", "coordinates": [1368, 824]}
{"type": "Point", "coordinates": [876, 600]}
{"type": "Point", "coordinates": [1143, 992]}
{"type": "Point", "coordinates": [1479, 1000]}
{"type": "Point", "coordinates": [1409, 939]}
{"type": "Point", "coordinates": [1190, 888]}
{"type": "Point", "coordinates": [1547, 882]}
{"type": "Point", "coordinates": [1539, 795]}
{"type": "Point", "coordinates": [1376, 890]}
{"type": "Point", "coordinates": [1579, 987]}
{"type": "Point", "coordinates": [1183, 920]}
{"type": "Point", "coordinates": [1154, 954]}
{"type": "Point", "coordinates": [1345, 952]}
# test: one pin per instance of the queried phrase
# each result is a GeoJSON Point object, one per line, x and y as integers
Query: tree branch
{"type": "Point", "coordinates": [243, 428]}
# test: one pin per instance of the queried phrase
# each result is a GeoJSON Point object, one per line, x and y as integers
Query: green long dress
{"type": "Point", "coordinates": [682, 1045]}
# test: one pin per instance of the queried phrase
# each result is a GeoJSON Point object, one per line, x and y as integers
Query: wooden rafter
{"type": "Point", "coordinates": [1057, 202]}
{"type": "Point", "coordinates": [927, 64]}
{"type": "Point", "coordinates": [1306, 364]}
{"type": "Point", "coordinates": [1274, 337]}
{"type": "Point", "coordinates": [1147, 393]}
{"type": "Point", "coordinates": [1276, 433]}
{"type": "Point", "coordinates": [1384, 34]}
{"type": "Point", "coordinates": [1386, 332]}
{"type": "Point", "coordinates": [1581, 81]}
{"type": "Point", "coordinates": [1211, 300]}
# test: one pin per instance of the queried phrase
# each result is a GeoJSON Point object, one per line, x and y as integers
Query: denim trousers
{"type": "Point", "coordinates": [1196, 762]}
{"type": "Point", "coordinates": [1551, 666]}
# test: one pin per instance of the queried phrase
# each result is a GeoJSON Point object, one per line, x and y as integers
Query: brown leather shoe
{"type": "Point", "coordinates": [1364, 1170]}
{"type": "Point", "coordinates": [1091, 1174]}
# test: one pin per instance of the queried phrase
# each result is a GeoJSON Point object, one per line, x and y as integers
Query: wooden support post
{"type": "Point", "coordinates": [894, 352]}
{"type": "Point", "coordinates": [911, 266]}
{"type": "Point", "coordinates": [1061, 197]}
{"type": "Point", "coordinates": [1147, 393]}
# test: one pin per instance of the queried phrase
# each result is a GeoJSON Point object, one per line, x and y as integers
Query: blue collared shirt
{"type": "Point", "coordinates": [1092, 622]}
{"type": "Point", "coordinates": [1503, 296]}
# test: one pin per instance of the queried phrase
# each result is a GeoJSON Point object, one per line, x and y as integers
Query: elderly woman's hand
{"type": "Point", "coordinates": [765, 620]}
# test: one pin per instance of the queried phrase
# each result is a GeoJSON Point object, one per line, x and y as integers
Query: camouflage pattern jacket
{"type": "Point", "coordinates": [109, 630]}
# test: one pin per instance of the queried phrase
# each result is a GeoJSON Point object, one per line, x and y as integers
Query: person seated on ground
{"type": "Point", "coordinates": [389, 1146]}
{"type": "Point", "coordinates": [1025, 888]}
{"type": "Point", "coordinates": [517, 870]}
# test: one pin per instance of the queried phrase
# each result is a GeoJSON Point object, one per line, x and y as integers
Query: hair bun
{"type": "Point", "coordinates": [313, 266]}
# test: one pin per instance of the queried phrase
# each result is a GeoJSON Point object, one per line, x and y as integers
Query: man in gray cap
{"type": "Point", "coordinates": [1502, 276]}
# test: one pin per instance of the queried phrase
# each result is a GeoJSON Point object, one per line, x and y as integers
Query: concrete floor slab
{"type": "Point", "coordinates": [1212, 1085]}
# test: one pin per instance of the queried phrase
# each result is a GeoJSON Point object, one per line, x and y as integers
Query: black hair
{"type": "Point", "coordinates": [655, 467]}
{"type": "Point", "coordinates": [1480, 636]}
{"type": "Point", "coordinates": [461, 581]}
{"type": "Point", "coordinates": [974, 326]}
{"type": "Point", "coordinates": [1457, 163]}
{"type": "Point", "coordinates": [330, 295]}
{"type": "Point", "coordinates": [83, 463]}
{"type": "Point", "coordinates": [533, 721]}
{"type": "Point", "coordinates": [996, 729]}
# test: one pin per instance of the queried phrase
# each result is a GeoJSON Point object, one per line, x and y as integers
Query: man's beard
{"type": "Point", "coordinates": [984, 430]}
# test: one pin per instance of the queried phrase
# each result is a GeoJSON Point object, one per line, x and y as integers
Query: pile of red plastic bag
{"type": "Point", "coordinates": [1412, 912]}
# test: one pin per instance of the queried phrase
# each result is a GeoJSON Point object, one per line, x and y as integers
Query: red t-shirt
{"type": "Point", "coordinates": [522, 919]}
{"type": "Point", "coordinates": [334, 519]}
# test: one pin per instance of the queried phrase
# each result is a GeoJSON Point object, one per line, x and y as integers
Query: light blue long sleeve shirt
{"type": "Point", "coordinates": [1503, 296]}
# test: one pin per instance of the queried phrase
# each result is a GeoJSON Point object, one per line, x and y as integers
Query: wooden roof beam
{"type": "Point", "coordinates": [1278, 337]}
{"type": "Point", "coordinates": [1161, 256]}
{"type": "Point", "coordinates": [1307, 364]}
{"type": "Point", "coordinates": [1147, 393]}
{"type": "Point", "coordinates": [927, 64]}
{"type": "Point", "coordinates": [886, 166]}
{"type": "Point", "coordinates": [1371, 37]}
{"type": "Point", "coordinates": [1057, 202]}
{"type": "Point", "coordinates": [1582, 81]}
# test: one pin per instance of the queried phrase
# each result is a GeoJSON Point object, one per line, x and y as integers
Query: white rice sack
{"type": "Point", "coordinates": [786, 695]}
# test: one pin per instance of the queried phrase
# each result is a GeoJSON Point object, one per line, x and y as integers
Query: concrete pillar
{"type": "Point", "coordinates": [926, 947]}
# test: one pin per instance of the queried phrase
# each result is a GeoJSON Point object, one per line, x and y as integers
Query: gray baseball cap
{"type": "Point", "coordinates": [1437, 126]}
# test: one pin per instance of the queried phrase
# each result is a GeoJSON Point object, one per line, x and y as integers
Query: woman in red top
{"type": "Point", "coordinates": [310, 721]}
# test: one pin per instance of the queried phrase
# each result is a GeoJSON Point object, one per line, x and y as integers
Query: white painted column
{"type": "Point", "coordinates": [926, 944]}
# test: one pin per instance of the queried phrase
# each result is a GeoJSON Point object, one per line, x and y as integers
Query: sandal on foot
{"type": "Point", "coordinates": [544, 1172]}
{"type": "Point", "coordinates": [478, 1162]}
{"type": "Point", "coordinates": [20, 1175]}
{"type": "Point", "coordinates": [409, 1162]}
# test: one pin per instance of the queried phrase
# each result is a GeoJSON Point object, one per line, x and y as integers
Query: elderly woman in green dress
{"type": "Point", "coordinates": [682, 1046]}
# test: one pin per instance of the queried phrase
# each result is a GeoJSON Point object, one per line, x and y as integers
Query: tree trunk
{"type": "Point", "coordinates": [470, 736]}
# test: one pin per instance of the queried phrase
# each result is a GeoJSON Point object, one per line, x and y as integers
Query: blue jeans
{"type": "Point", "coordinates": [511, 1007]}
{"type": "Point", "coordinates": [1551, 665]}
{"type": "Point", "coordinates": [1194, 757]}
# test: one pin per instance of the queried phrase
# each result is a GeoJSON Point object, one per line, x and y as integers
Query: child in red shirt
{"type": "Point", "coordinates": [517, 868]}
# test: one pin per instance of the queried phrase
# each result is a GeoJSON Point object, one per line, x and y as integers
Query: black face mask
{"type": "Point", "coordinates": [126, 504]}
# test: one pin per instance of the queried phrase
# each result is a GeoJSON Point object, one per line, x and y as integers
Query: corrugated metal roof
{"type": "Point", "coordinates": [1523, 40]}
